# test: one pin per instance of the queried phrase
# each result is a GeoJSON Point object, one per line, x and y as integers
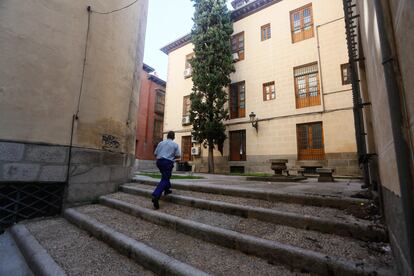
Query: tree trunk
{"type": "Point", "coordinates": [210, 158]}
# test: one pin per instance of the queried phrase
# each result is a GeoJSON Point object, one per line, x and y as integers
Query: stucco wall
{"type": "Point", "coordinates": [274, 60]}
{"type": "Point", "coordinates": [399, 28]}
{"type": "Point", "coordinates": [42, 52]}
{"type": "Point", "coordinates": [376, 82]}
{"type": "Point", "coordinates": [402, 13]}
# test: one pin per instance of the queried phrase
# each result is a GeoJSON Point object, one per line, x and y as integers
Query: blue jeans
{"type": "Point", "coordinates": [165, 166]}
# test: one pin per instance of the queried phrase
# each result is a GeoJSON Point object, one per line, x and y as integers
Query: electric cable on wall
{"type": "Point", "coordinates": [76, 115]}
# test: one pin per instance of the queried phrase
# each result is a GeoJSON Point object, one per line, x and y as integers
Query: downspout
{"type": "Point", "coordinates": [75, 116]}
{"type": "Point", "coordinates": [363, 157]}
{"type": "Point", "coordinates": [319, 58]}
{"type": "Point", "coordinates": [320, 67]}
{"type": "Point", "coordinates": [401, 147]}
{"type": "Point", "coordinates": [147, 114]}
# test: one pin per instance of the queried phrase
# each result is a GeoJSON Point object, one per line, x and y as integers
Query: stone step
{"type": "Point", "coordinates": [118, 227]}
{"type": "Point", "coordinates": [36, 256]}
{"type": "Point", "coordinates": [12, 261]}
{"type": "Point", "coordinates": [350, 215]}
{"type": "Point", "coordinates": [297, 198]}
{"type": "Point", "coordinates": [75, 251]}
{"type": "Point", "coordinates": [160, 263]}
{"type": "Point", "coordinates": [318, 253]}
{"type": "Point", "coordinates": [359, 230]}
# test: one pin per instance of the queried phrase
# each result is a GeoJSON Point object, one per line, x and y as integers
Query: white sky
{"type": "Point", "coordinates": [167, 21]}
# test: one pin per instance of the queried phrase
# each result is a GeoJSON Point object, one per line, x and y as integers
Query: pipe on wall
{"type": "Point", "coordinates": [363, 157]}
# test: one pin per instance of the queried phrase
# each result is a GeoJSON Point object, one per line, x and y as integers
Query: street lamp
{"type": "Point", "coordinates": [254, 121]}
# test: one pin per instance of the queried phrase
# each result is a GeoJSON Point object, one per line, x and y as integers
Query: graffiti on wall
{"type": "Point", "coordinates": [110, 142]}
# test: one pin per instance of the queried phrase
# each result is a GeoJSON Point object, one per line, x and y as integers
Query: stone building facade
{"type": "Point", "coordinates": [69, 93]}
{"type": "Point", "coordinates": [291, 73]}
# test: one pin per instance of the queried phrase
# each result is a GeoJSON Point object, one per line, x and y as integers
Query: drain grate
{"type": "Point", "coordinates": [29, 200]}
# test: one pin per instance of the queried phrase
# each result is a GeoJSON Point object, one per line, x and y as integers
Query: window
{"type": "Point", "coordinates": [188, 58]}
{"type": "Point", "coordinates": [269, 92]}
{"type": "Point", "coordinates": [345, 73]}
{"type": "Point", "coordinates": [310, 141]}
{"type": "Point", "coordinates": [186, 105]}
{"type": "Point", "coordinates": [188, 69]}
{"type": "Point", "coordinates": [157, 134]}
{"type": "Point", "coordinates": [186, 148]}
{"type": "Point", "coordinates": [301, 23]}
{"type": "Point", "coordinates": [237, 100]}
{"type": "Point", "coordinates": [159, 101]}
{"type": "Point", "coordinates": [266, 32]}
{"type": "Point", "coordinates": [307, 85]}
{"type": "Point", "coordinates": [237, 45]}
{"type": "Point", "coordinates": [238, 145]}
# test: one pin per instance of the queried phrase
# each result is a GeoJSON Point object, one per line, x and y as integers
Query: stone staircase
{"type": "Point", "coordinates": [205, 229]}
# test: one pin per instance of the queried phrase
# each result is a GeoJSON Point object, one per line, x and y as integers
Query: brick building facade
{"type": "Point", "coordinates": [150, 117]}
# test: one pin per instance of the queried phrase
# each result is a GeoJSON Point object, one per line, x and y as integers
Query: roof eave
{"type": "Point", "coordinates": [236, 15]}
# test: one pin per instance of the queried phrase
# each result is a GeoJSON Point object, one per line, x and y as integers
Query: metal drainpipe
{"type": "Point", "coordinates": [357, 102]}
{"type": "Point", "coordinates": [319, 58]}
{"type": "Point", "coordinates": [401, 147]}
{"type": "Point", "coordinates": [320, 67]}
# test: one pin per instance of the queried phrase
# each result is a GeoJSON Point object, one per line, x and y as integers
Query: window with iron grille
{"type": "Point", "coordinates": [266, 32]}
{"type": "Point", "coordinates": [310, 141]}
{"type": "Point", "coordinates": [21, 201]}
{"type": "Point", "coordinates": [269, 92]}
{"type": "Point", "coordinates": [237, 145]}
{"type": "Point", "coordinates": [307, 85]}
{"type": "Point", "coordinates": [301, 22]}
{"type": "Point", "coordinates": [237, 45]}
{"type": "Point", "coordinates": [345, 74]}
{"type": "Point", "coordinates": [237, 100]}
{"type": "Point", "coordinates": [159, 101]}
{"type": "Point", "coordinates": [186, 105]}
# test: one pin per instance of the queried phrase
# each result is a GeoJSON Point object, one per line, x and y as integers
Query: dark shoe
{"type": "Point", "coordinates": [155, 203]}
{"type": "Point", "coordinates": [167, 192]}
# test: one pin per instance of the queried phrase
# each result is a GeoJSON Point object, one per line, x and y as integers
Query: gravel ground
{"type": "Point", "coordinates": [208, 257]}
{"type": "Point", "coordinates": [322, 212]}
{"type": "Point", "coordinates": [78, 253]}
{"type": "Point", "coordinates": [348, 248]}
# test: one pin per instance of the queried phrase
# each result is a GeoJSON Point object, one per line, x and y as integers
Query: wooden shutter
{"type": "Point", "coordinates": [310, 141]}
{"type": "Point", "coordinates": [301, 23]}
{"type": "Point", "coordinates": [238, 145]}
{"type": "Point", "coordinates": [237, 44]}
{"type": "Point", "coordinates": [307, 89]}
{"type": "Point", "coordinates": [186, 148]}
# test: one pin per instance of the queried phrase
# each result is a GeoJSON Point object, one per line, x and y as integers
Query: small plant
{"type": "Point", "coordinates": [252, 174]}
{"type": "Point", "coordinates": [158, 176]}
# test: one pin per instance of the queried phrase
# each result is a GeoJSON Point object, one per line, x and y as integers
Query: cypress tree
{"type": "Point", "coordinates": [212, 65]}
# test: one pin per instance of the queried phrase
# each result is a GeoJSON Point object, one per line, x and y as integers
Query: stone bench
{"type": "Point", "coordinates": [325, 174]}
{"type": "Point", "coordinates": [299, 171]}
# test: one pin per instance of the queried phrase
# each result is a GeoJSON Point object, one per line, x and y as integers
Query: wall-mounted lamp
{"type": "Point", "coordinates": [254, 121]}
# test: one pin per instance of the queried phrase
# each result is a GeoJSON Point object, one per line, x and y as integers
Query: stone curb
{"type": "Point", "coordinates": [312, 200]}
{"type": "Point", "coordinates": [156, 261]}
{"type": "Point", "coordinates": [37, 258]}
{"type": "Point", "coordinates": [354, 230]}
{"type": "Point", "coordinates": [272, 251]}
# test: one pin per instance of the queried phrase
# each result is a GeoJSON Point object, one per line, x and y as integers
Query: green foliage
{"type": "Point", "coordinates": [212, 65]}
{"type": "Point", "coordinates": [252, 174]}
{"type": "Point", "coordinates": [158, 176]}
